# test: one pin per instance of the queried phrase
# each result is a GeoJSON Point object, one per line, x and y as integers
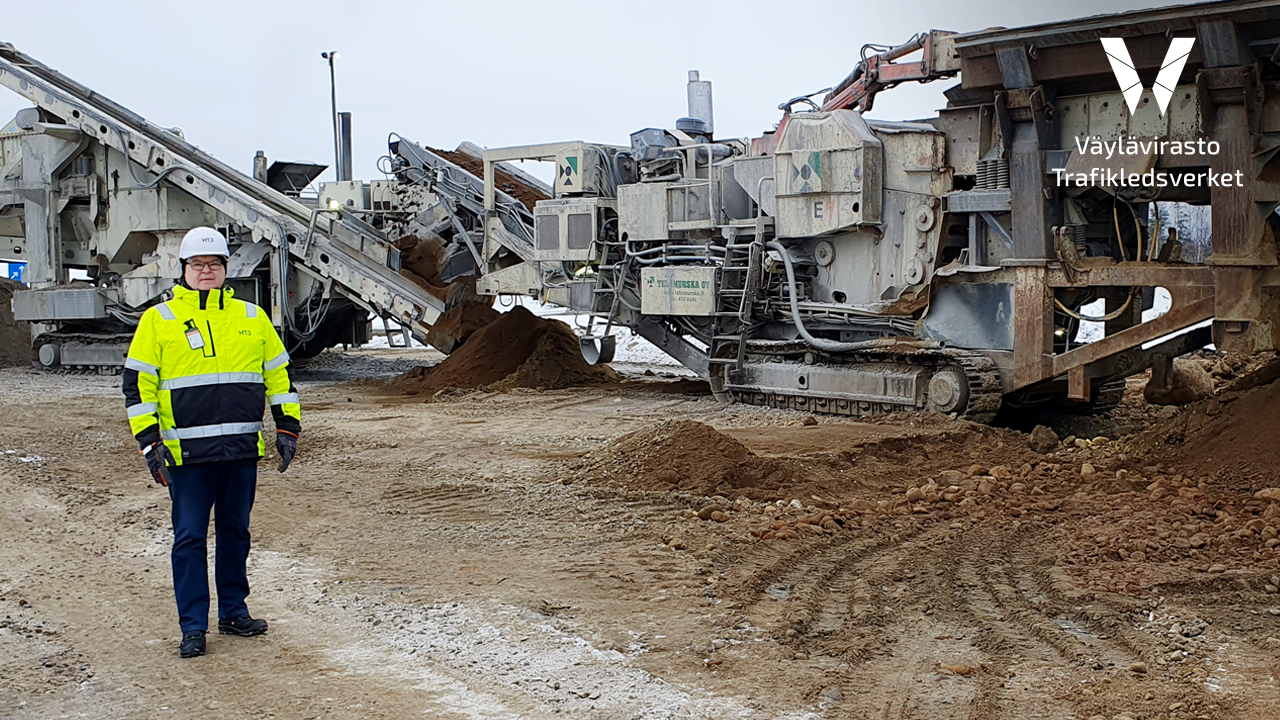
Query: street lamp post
{"type": "Point", "coordinates": [333, 96]}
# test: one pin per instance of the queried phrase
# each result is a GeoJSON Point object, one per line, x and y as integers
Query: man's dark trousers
{"type": "Point", "coordinates": [230, 485]}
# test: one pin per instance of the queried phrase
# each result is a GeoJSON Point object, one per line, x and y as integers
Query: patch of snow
{"type": "Point", "coordinates": [1092, 331]}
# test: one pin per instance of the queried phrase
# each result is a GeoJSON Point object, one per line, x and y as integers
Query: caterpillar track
{"type": "Point", "coordinates": [56, 353]}
{"type": "Point", "coordinates": [980, 398]}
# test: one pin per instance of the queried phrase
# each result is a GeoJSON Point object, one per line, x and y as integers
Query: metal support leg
{"type": "Point", "coordinates": [1033, 326]}
{"type": "Point", "coordinates": [43, 158]}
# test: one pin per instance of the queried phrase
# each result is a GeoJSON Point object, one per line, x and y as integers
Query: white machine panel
{"type": "Point", "coordinates": [349, 193]}
{"type": "Point", "coordinates": [567, 228]}
{"type": "Point", "coordinates": [578, 171]}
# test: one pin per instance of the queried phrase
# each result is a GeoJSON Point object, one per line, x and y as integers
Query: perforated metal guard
{"type": "Point", "coordinates": [580, 231]}
{"type": "Point", "coordinates": [546, 233]}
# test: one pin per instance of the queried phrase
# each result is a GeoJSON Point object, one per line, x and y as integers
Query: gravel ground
{"type": "Point", "coordinates": [451, 558]}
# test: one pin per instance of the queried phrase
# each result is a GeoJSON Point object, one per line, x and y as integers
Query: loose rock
{"type": "Point", "coordinates": [1043, 439]}
{"type": "Point", "coordinates": [1188, 383]}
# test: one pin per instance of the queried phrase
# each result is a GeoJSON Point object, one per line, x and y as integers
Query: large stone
{"type": "Point", "coordinates": [1187, 383]}
{"type": "Point", "coordinates": [1043, 439]}
{"type": "Point", "coordinates": [707, 512]}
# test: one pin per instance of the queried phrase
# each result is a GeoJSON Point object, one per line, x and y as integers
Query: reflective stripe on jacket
{"type": "Point", "coordinates": [198, 373]}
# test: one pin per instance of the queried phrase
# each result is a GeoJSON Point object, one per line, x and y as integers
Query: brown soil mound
{"type": "Point", "coordinates": [459, 323]}
{"type": "Point", "coordinates": [519, 349]}
{"type": "Point", "coordinates": [1231, 437]}
{"type": "Point", "coordinates": [1111, 523]}
{"type": "Point", "coordinates": [15, 336]}
{"type": "Point", "coordinates": [556, 362]}
{"type": "Point", "coordinates": [692, 457]}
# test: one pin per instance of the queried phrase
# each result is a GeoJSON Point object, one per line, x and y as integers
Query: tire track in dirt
{"type": "Point", "coordinates": [849, 598]}
{"type": "Point", "coordinates": [892, 650]}
{"type": "Point", "coordinates": [1026, 606]}
{"type": "Point", "coordinates": [898, 632]}
{"type": "Point", "coordinates": [850, 611]}
{"type": "Point", "coordinates": [458, 503]}
{"type": "Point", "coordinates": [1246, 675]}
{"type": "Point", "coordinates": [857, 599]}
{"type": "Point", "coordinates": [771, 572]}
{"type": "Point", "coordinates": [907, 682]}
{"type": "Point", "coordinates": [1027, 667]}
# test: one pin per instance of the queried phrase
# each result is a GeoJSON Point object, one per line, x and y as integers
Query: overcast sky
{"type": "Point", "coordinates": [240, 76]}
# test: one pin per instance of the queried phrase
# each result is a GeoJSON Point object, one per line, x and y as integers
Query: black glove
{"type": "Point", "coordinates": [158, 459]}
{"type": "Point", "coordinates": [286, 447]}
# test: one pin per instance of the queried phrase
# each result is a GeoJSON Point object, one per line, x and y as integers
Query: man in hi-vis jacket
{"type": "Point", "coordinates": [198, 372]}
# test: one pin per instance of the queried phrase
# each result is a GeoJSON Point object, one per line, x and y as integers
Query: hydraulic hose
{"type": "Point", "coordinates": [823, 343]}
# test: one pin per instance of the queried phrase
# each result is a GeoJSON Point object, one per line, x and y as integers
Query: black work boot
{"type": "Point", "coordinates": [243, 626]}
{"type": "Point", "coordinates": [192, 644]}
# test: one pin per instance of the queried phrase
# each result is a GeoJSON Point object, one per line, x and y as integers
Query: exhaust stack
{"type": "Point", "coordinates": [700, 120]}
{"type": "Point", "coordinates": [344, 161]}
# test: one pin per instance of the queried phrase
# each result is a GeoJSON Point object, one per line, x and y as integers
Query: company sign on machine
{"type": "Point", "coordinates": [677, 291]}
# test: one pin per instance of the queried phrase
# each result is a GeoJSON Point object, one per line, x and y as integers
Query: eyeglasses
{"type": "Point", "coordinates": [203, 266]}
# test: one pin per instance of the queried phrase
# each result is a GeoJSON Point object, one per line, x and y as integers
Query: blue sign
{"type": "Point", "coordinates": [16, 269]}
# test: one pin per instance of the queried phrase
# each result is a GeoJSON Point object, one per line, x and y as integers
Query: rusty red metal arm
{"type": "Point", "coordinates": [878, 72]}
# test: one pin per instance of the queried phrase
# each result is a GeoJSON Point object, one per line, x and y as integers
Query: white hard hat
{"type": "Point", "coordinates": [203, 241]}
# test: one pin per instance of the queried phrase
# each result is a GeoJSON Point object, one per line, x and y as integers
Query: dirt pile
{"type": "Point", "coordinates": [1114, 526]}
{"type": "Point", "coordinates": [459, 323]}
{"type": "Point", "coordinates": [1117, 522]}
{"type": "Point", "coordinates": [518, 350]}
{"type": "Point", "coordinates": [1241, 372]}
{"type": "Point", "coordinates": [1122, 523]}
{"type": "Point", "coordinates": [1231, 437]}
{"type": "Point", "coordinates": [692, 457]}
{"type": "Point", "coordinates": [688, 456]}
{"type": "Point", "coordinates": [15, 336]}
{"type": "Point", "coordinates": [556, 362]}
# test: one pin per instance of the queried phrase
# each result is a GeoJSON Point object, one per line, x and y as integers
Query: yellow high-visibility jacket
{"type": "Point", "coordinates": [197, 374]}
